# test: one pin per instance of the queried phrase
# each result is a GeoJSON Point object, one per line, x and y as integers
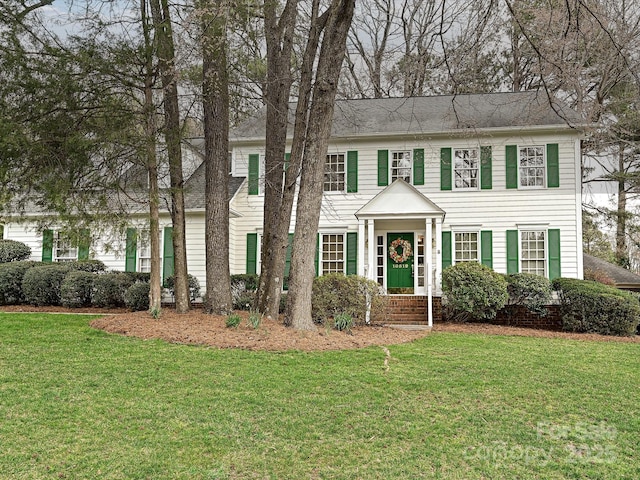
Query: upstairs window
{"type": "Point", "coordinates": [401, 166]}
{"type": "Point", "coordinates": [465, 166]}
{"type": "Point", "coordinates": [531, 166]}
{"type": "Point", "coordinates": [334, 173]}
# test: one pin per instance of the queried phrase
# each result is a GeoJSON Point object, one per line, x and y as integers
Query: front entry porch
{"type": "Point", "coordinates": [400, 234]}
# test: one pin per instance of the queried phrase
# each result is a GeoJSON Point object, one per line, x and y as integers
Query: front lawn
{"type": "Point", "coordinates": [79, 403]}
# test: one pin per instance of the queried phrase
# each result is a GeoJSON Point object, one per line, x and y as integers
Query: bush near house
{"type": "Point", "coordinates": [473, 291]}
{"type": "Point", "coordinates": [592, 307]}
{"type": "Point", "coordinates": [243, 290]}
{"type": "Point", "coordinates": [249, 280]}
{"type": "Point", "coordinates": [529, 290]}
{"type": "Point", "coordinates": [11, 275]}
{"type": "Point", "coordinates": [77, 289]}
{"type": "Point", "coordinates": [93, 266]}
{"type": "Point", "coordinates": [41, 285]}
{"type": "Point", "coordinates": [194, 286]}
{"type": "Point", "coordinates": [109, 289]}
{"type": "Point", "coordinates": [13, 251]}
{"type": "Point", "coordinates": [336, 294]}
{"type": "Point", "coordinates": [136, 297]}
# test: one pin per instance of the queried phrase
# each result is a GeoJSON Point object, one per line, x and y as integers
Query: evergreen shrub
{"type": "Point", "coordinates": [529, 290]}
{"type": "Point", "coordinates": [136, 297]}
{"type": "Point", "coordinates": [77, 289]}
{"type": "Point", "coordinates": [13, 251]}
{"type": "Point", "coordinates": [591, 307]}
{"type": "Point", "coordinates": [41, 285]}
{"type": "Point", "coordinates": [109, 288]}
{"type": "Point", "coordinates": [11, 275]}
{"type": "Point", "coordinates": [473, 291]}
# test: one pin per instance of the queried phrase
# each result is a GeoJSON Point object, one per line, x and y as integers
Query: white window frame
{"type": "Point", "coordinates": [62, 243]}
{"type": "Point", "coordinates": [395, 153]}
{"type": "Point", "coordinates": [454, 251]}
{"type": "Point", "coordinates": [543, 167]}
{"type": "Point", "coordinates": [343, 173]}
{"type": "Point", "coordinates": [321, 253]}
{"type": "Point", "coordinates": [545, 259]}
{"type": "Point", "coordinates": [143, 252]}
{"type": "Point", "coordinates": [476, 169]}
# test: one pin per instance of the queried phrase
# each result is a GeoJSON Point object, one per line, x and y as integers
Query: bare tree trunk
{"type": "Point", "coordinates": [166, 60]}
{"type": "Point", "coordinates": [215, 90]}
{"type": "Point", "coordinates": [155, 290]}
{"type": "Point", "coordinates": [279, 39]}
{"type": "Point", "coordinates": [298, 313]}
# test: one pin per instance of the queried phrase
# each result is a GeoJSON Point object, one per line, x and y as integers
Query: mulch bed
{"type": "Point", "coordinates": [198, 328]}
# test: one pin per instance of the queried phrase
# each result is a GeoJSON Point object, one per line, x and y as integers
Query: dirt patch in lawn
{"type": "Point", "coordinates": [198, 328]}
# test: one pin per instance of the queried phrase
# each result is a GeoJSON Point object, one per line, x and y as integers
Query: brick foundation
{"type": "Point", "coordinates": [412, 310]}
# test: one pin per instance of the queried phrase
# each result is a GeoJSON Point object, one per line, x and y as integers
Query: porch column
{"type": "Point", "coordinates": [438, 266]}
{"type": "Point", "coordinates": [361, 249]}
{"type": "Point", "coordinates": [428, 272]}
{"type": "Point", "coordinates": [371, 237]}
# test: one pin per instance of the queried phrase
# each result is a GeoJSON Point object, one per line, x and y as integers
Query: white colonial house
{"type": "Point", "coordinates": [412, 185]}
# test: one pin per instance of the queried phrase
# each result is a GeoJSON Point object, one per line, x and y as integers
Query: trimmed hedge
{"type": "Point", "coordinates": [136, 297]}
{"type": "Point", "coordinates": [194, 286]}
{"type": "Point", "coordinates": [41, 285]}
{"type": "Point", "coordinates": [11, 275]}
{"type": "Point", "coordinates": [109, 288]}
{"type": "Point", "coordinates": [473, 291]}
{"type": "Point", "coordinates": [249, 280]}
{"type": "Point", "coordinates": [13, 251]}
{"type": "Point", "coordinates": [93, 266]}
{"type": "Point", "coordinates": [532, 291]}
{"type": "Point", "coordinates": [592, 307]}
{"type": "Point", "coordinates": [77, 289]}
{"type": "Point", "coordinates": [336, 294]}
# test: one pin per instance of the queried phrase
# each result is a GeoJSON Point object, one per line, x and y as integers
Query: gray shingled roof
{"type": "Point", "coordinates": [622, 277]}
{"type": "Point", "coordinates": [438, 114]}
{"type": "Point", "coordinates": [194, 188]}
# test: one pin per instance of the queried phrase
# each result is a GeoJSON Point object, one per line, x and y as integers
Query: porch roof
{"type": "Point", "coordinates": [400, 200]}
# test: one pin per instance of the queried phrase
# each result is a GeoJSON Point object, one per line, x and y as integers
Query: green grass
{"type": "Point", "coordinates": [78, 403]}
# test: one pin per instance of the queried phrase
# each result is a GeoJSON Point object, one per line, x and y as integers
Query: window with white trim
{"type": "Point", "coordinates": [465, 247]}
{"type": "Point", "coordinates": [401, 166]}
{"type": "Point", "coordinates": [531, 166]}
{"type": "Point", "coordinates": [334, 173]}
{"type": "Point", "coordinates": [333, 253]}
{"type": "Point", "coordinates": [144, 253]}
{"type": "Point", "coordinates": [466, 163]}
{"type": "Point", "coordinates": [380, 257]}
{"type": "Point", "coordinates": [63, 248]}
{"type": "Point", "coordinates": [533, 257]}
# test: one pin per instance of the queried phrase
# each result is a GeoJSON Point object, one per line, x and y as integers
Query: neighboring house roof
{"type": "Point", "coordinates": [431, 115]}
{"type": "Point", "coordinates": [623, 278]}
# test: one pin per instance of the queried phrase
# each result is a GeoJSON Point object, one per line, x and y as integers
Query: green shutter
{"type": "Point", "coordinates": [352, 171]}
{"type": "Point", "coordinates": [512, 251]}
{"type": "Point", "coordinates": [131, 252]}
{"type": "Point", "coordinates": [485, 168]}
{"type": "Point", "coordinates": [287, 161]}
{"type": "Point", "coordinates": [553, 166]}
{"type": "Point", "coordinates": [1, 232]}
{"type": "Point", "coordinates": [252, 253]}
{"type": "Point", "coordinates": [83, 244]}
{"type": "Point", "coordinates": [317, 259]}
{"type": "Point", "coordinates": [554, 253]}
{"type": "Point", "coordinates": [383, 168]}
{"type": "Point", "coordinates": [167, 256]}
{"type": "Point", "coordinates": [486, 248]}
{"type": "Point", "coordinates": [418, 166]}
{"type": "Point", "coordinates": [287, 263]}
{"type": "Point", "coordinates": [352, 253]}
{"type": "Point", "coordinates": [511, 159]}
{"type": "Point", "coordinates": [445, 169]}
{"type": "Point", "coordinates": [254, 172]}
{"type": "Point", "coordinates": [446, 250]}
{"type": "Point", "coordinates": [47, 246]}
